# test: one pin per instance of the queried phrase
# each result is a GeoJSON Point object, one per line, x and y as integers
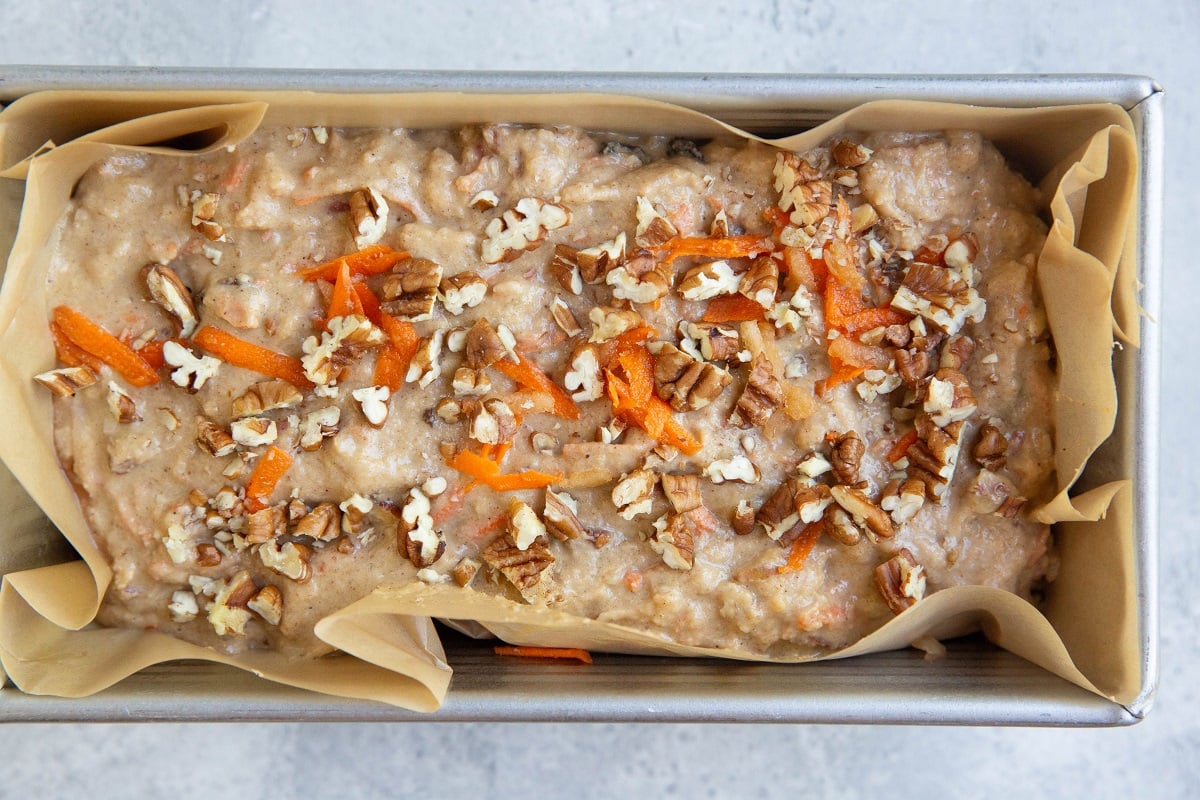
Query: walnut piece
{"type": "Point", "coordinates": [168, 291]}
{"type": "Point", "coordinates": [706, 281]}
{"type": "Point", "coordinates": [191, 372]}
{"type": "Point", "coordinates": [410, 290]}
{"type": "Point", "coordinates": [685, 382]}
{"type": "Point", "coordinates": [368, 217]}
{"type": "Point", "coordinates": [462, 291]}
{"type": "Point", "coordinates": [524, 568]}
{"type": "Point", "coordinates": [561, 515]}
{"type": "Point", "coordinates": [266, 396]}
{"type": "Point", "coordinates": [846, 452]}
{"type": "Point", "coordinates": [901, 581]}
{"type": "Point", "coordinates": [633, 494]}
{"type": "Point", "coordinates": [522, 228]}
{"type": "Point", "coordinates": [214, 439]}
{"type": "Point", "coordinates": [65, 382]}
{"type": "Point", "coordinates": [122, 406]}
{"type": "Point", "coordinates": [761, 397]}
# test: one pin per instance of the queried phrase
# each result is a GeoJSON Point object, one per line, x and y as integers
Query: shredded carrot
{"type": "Point", "coordinates": [871, 318]}
{"type": "Point", "coordinates": [725, 247]}
{"type": "Point", "coordinates": [625, 342]}
{"type": "Point", "coordinates": [452, 502]}
{"type": "Point", "coordinates": [390, 369]}
{"type": "Point", "coordinates": [235, 175]}
{"type": "Point", "coordinates": [842, 373]}
{"type": "Point", "coordinates": [569, 653]}
{"type": "Point", "coordinates": [486, 471]}
{"type": "Point", "coordinates": [270, 468]}
{"type": "Point", "coordinates": [841, 259]}
{"type": "Point", "coordinates": [633, 580]}
{"type": "Point", "coordinates": [634, 401]}
{"type": "Point", "coordinates": [402, 336]}
{"type": "Point", "coordinates": [152, 352]}
{"type": "Point", "coordinates": [841, 303]}
{"type": "Point", "coordinates": [527, 375]}
{"type": "Point", "coordinates": [247, 355]}
{"type": "Point", "coordinates": [69, 353]}
{"type": "Point", "coordinates": [900, 448]}
{"type": "Point", "coordinates": [778, 219]}
{"type": "Point", "coordinates": [345, 299]}
{"type": "Point", "coordinates": [368, 261]}
{"type": "Point", "coordinates": [733, 308]}
{"type": "Point", "coordinates": [90, 337]}
{"type": "Point", "coordinates": [803, 545]}
{"type": "Point", "coordinates": [493, 525]}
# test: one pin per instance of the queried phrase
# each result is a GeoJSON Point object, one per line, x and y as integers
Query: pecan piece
{"type": "Point", "coordinates": [411, 289]}
{"type": "Point", "coordinates": [323, 523]}
{"type": "Point", "coordinates": [743, 518]}
{"type": "Point", "coordinates": [674, 539]}
{"type": "Point", "coordinates": [169, 291]}
{"type": "Point", "coordinates": [991, 449]}
{"type": "Point", "coordinates": [641, 279]}
{"type": "Point", "coordinates": [268, 604]}
{"type": "Point", "coordinates": [564, 266]}
{"type": "Point", "coordinates": [761, 283]}
{"type": "Point", "coordinates": [494, 422]}
{"type": "Point", "coordinates": [483, 345]}
{"type": "Point", "coordinates": [846, 452]}
{"type": "Point", "coordinates": [204, 208]}
{"type": "Point", "coordinates": [465, 571]}
{"type": "Point", "coordinates": [522, 228]}
{"type": "Point", "coordinates": [266, 396]}
{"type": "Point", "coordinates": [608, 323]}
{"type": "Point", "coordinates": [563, 317]}
{"type": "Point", "coordinates": [633, 494]}
{"type": "Point", "coordinates": [214, 438]}
{"type": "Point", "coordinates": [850, 154]}
{"type": "Point", "coordinates": [368, 217]}
{"type": "Point", "coordinates": [461, 291]}
{"type": "Point", "coordinates": [266, 524]}
{"type": "Point", "coordinates": [288, 559]}
{"type": "Point", "coordinates": [706, 281]}
{"type": "Point", "coordinates": [762, 396]}
{"type": "Point", "coordinates": [948, 398]}
{"type": "Point", "coordinates": [524, 569]}
{"type": "Point", "coordinates": [561, 514]}
{"type": "Point", "coordinates": [903, 499]}
{"type": "Point", "coordinates": [123, 409]}
{"type": "Point", "coordinates": [863, 511]}
{"type": "Point", "coordinates": [901, 581]}
{"type": "Point", "coordinates": [683, 492]}
{"type": "Point", "coordinates": [65, 382]}
{"type": "Point", "coordinates": [653, 228]}
{"type": "Point", "coordinates": [685, 382]}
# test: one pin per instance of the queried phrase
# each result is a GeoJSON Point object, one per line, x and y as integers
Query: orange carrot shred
{"type": "Point", "coordinates": [900, 448]}
{"type": "Point", "coordinates": [568, 653]}
{"type": "Point", "coordinates": [487, 472]}
{"type": "Point", "coordinates": [635, 402]}
{"type": "Point", "coordinates": [270, 468]}
{"type": "Point", "coordinates": [803, 545]}
{"type": "Point", "coordinates": [368, 261]}
{"type": "Point", "coordinates": [152, 351]}
{"type": "Point", "coordinates": [69, 353]}
{"type": "Point", "coordinates": [247, 355]}
{"type": "Point", "coordinates": [529, 376]}
{"type": "Point", "coordinates": [87, 335]}
{"type": "Point", "coordinates": [234, 176]}
{"type": "Point", "coordinates": [841, 303]}
{"type": "Point", "coordinates": [345, 299]}
{"type": "Point", "coordinates": [733, 308]}
{"type": "Point", "coordinates": [725, 247]}
{"type": "Point", "coordinates": [842, 373]}
{"type": "Point", "coordinates": [871, 318]}
{"type": "Point", "coordinates": [390, 369]}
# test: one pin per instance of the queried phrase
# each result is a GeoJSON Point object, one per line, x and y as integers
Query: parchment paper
{"type": "Point", "coordinates": [1084, 157]}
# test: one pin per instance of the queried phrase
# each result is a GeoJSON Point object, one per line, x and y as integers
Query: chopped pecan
{"type": "Point", "coordinates": [465, 571]}
{"type": "Point", "coordinates": [913, 366]}
{"type": "Point", "coordinates": [685, 382]}
{"type": "Point", "coordinates": [411, 289]}
{"type": "Point", "coordinates": [183, 606]}
{"type": "Point", "coordinates": [483, 347]}
{"type": "Point", "coordinates": [373, 400]}
{"type": "Point", "coordinates": [452, 410]}
{"type": "Point", "coordinates": [583, 377]}
{"type": "Point", "coordinates": [633, 494]}
{"type": "Point", "coordinates": [318, 426]}
{"type": "Point", "coordinates": [354, 513]}
{"type": "Point", "coordinates": [850, 154]}
{"type": "Point", "coordinates": [563, 317]}
{"type": "Point", "coordinates": [864, 512]}
{"type": "Point", "coordinates": [960, 254]}
{"type": "Point", "coordinates": [228, 613]}
{"type": "Point", "coordinates": [761, 397]}
{"type": "Point", "coordinates": [653, 228]}
{"type": "Point", "coordinates": [901, 581]}
{"type": "Point", "coordinates": [266, 396]}
{"type": "Point", "coordinates": [426, 365]}
{"type": "Point", "coordinates": [471, 382]}
{"type": "Point", "coordinates": [743, 518]}
{"type": "Point", "coordinates": [846, 452]}
{"type": "Point", "coordinates": [524, 525]}
{"type": "Point", "coordinates": [521, 229]}
{"type": "Point", "coordinates": [840, 525]}
{"type": "Point", "coordinates": [564, 266]}
{"type": "Point", "coordinates": [989, 493]}
{"type": "Point", "coordinates": [674, 538]}
{"type": "Point", "coordinates": [706, 281]}
{"type": "Point", "coordinates": [794, 502]}
{"type": "Point", "coordinates": [801, 191]}
{"type": "Point", "coordinates": [863, 217]}
{"type": "Point", "coordinates": [288, 559]}
{"type": "Point", "coordinates": [65, 382]}
{"type": "Point", "coordinates": [368, 217]}
{"type": "Point", "coordinates": [207, 555]}
{"type": "Point", "coordinates": [761, 283]}
{"type": "Point", "coordinates": [344, 339]}
{"type": "Point", "coordinates": [903, 499]}
{"type": "Point", "coordinates": [524, 569]}
{"type": "Point", "coordinates": [494, 422]}
{"type": "Point", "coordinates": [719, 228]}
{"type": "Point", "coordinates": [123, 409]}
{"type": "Point", "coordinates": [484, 200]}
{"type": "Point", "coordinates": [641, 279]}
{"type": "Point", "coordinates": [711, 342]}
{"type": "Point", "coordinates": [739, 468]}
{"type": "Point", "coordinates": [596, 262]}
{"type": "Point", "coordinates": [939, 295]}
{"type": "Point", "coordinates": [324, 523]}
{"type": "Point", "coordinates": [561, 514]}
{"type": "Point", "coordinates": [948, 398]}
{"type": "Point", "coordinates": [991, 449]}
{"type": "Point", "coordinates": [268, 604]}
{"type": "Point", "coordinates": [461, 291]}
{"type": "Point", "coordinates": [418, 540]}
{"type": "Point", "coordinates": [204, 208]}
{"type": "Point", "coordinates": [266, 524]}
{"type": "Point", "coordinates": [934, 457]}
{"type": "Point", "coordinates": [253, 431]}
{"type": "Point", "coordinates": [608, 323]}
{"type": "Point", "coordinates": [956, 352]}
{"type": "Point", "coordinates": [169, 291]}
{"type": "Point", "coordinates": [683, 492]}
{"type": "Point", "coordinates": [192, 371]}
{"type": "Point", "coordinates": [214, 438]}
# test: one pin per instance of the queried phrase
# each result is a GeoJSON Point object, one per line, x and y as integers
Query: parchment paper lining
{"type": "Point", "coordinates": [1084, 157]}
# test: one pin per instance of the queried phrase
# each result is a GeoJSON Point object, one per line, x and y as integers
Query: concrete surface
{"type": "Point", "coordinates": [1156, 758]}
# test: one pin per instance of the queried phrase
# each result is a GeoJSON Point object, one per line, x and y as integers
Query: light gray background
{"type": "Point", "coordinates": [1156, 758]}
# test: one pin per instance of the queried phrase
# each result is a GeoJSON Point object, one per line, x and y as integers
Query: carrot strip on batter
{"type": "Point", "coordinates": [152, 351]}
{"type": "Point", "coordinates": [368, 261]}
{"type": "Point", "coordinates": [247, 355]}
{"type": "Point", "coordinates": [270, 468]}
{"type": "Point", "coordinates": [725, 247]}
{"type": "Point", "coordinates": [401, 334]}
{"type": "Point", "coordinates": [871, 318]}
{"type": "Point", "coordinates": [900, 448]}
{"type": "Point", "coordinates": [733, 308]}
{"type": "Point", "coordinates": [634, 401]}
{"type": "Point", "coordinates": [344, 300]}
{"type": "Point", "coordinates": [390, 369]}
{"type": "Point", "coordinates": [527, 375]}
{"type": "Point", "coordinates": [569, 653]}
{"type": "Point", "coordinates": [803, 545]}
{"type": "Point", "coordinates": [90, 337]}
{"type": "Point", "coordinates": [69, 353]}
{"type": "Point", "coordinates": [486, 471]}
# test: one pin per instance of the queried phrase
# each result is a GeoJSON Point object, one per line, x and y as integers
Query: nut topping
{"type": "Point", "coordinates": [204, 208]}
{"type": "Point", "coordinates": [901, 581]}
{"type": "Point", "coordinates": [411, 290]}
{"type": "Point", "coordinates": [652, 227]}
{"type": "Point", "coordinates": [266, 524]}
{"type": "Point", "coordinates": [738, 468]}
{"type": "Point", "coordinates": [483, 347]}
{"type": "Point", "coordinates": [464, 572]}
{"type": "Point", "coordinates": [564, 266]}
{"type": "Point", "coordinates": [494, 422]}
{"type": "Point", "coordinates": [990, 451]}
{"type": "Point", "coordinates": [864, 512]}
{"type": "Point", "coordinates": [949, 398]}
{"type": "Point", "coordinates": [850, 154]}
{"type": "Point", "coordinates": [674, 538]}
{"type": "Point", "coordinates": [266, 396]}
{"type": "Point", "coordinates": [373, 400]}
{"type": "Point", "coordinates": [426, 365]}
{"type": "Point", "coordinates": [706, 281]}
{"type": "Point", "coordinates": [123, 409]}
{"type": "Point", "coordinates": [521, 229]}
{"type": "Point", "coordinates": [633, 494]}
{"type": "Point", "coordinates": [939, 295]}
{"type": "Point", "coordinates": [563, 317]}
{"type": "Point", "coordinates": [609, 323]}
{"type": "Point", "coordinates": [323, 523]}
{"type": "Point", "coordinates": [168, 291]}
{"type": "Point", "coordinates": [228, 613]}
{"type": "Point", "coordinates": [561, 514]}
{"type": "Point", "coordinates": [192, 372]}
{"type": "Point", "coordinates": [596, 262]}
{"type": "Point", "coordinates": [368, 217]}
{"type": "Point", "coordinates": [743, 519]}
{"type": "Point", "coordinates": [685, 382]}
{"type": "Point", "coordinates": [903, 500]}
{"type": "Point", "coordinates": [683, 492]}
{"type": "Point", "coordinates": [268, 604]}
{"type": "Point", "coordinates": [462, 291]}
{"type": "Point", "coordinates": [214, 439]}
{"type": "Point", "coordinates": [641, 279]}
{"type": "Point", "coordinates": [762, 281]}
{"type": "Point", "coordinates": [524, 526]}
{"type": "Point", "coordinates": [318, 426]}
{"type": "Point", "coordinates": [524, 568]}
{"type": "Point", "coordinates": [288, 559]}
{"type": "Point", "coordinates": [340, 344]}
{"type": "Point", "coordinates": [471, 382]}
{"type": "Point", "coordinates": [846, 456]}
{"type": "Point", "coordinates": [65, 382]}
{"type": "Point", "coordinates": [583, 378]}
{"type": "Point", "coordinates": [253, 431]}
{"type": "Point", "coordinates": [762, 395]}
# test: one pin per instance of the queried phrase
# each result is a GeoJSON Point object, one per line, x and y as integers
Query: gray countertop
{"type": "Point", "coordinates": [1156, 38]}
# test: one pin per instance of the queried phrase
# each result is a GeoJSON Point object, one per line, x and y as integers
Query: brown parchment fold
{"type": "Point", "coordinates": [1083, 156]}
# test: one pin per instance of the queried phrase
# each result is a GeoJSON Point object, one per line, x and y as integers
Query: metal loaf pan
{"type": "Point", "coordinates": [976, 684]}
